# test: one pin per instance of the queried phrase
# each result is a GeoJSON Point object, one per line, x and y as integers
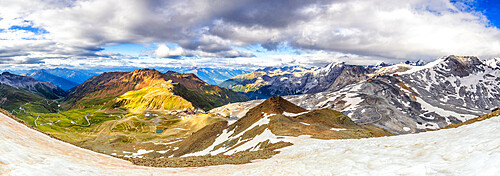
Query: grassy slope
{"type": "Point", "coordinates": [157, 97]}
{"type": "Point", "coordinates": [320, 124]}
{"type": "Point", "coordinates": [12, 98]}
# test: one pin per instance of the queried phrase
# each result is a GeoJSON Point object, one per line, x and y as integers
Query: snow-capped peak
{"type": "Point", "coordinates": [426, 66]}
{"type": "Point", "coordinates": [493, 63]}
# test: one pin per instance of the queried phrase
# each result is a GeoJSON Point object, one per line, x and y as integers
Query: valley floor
{"type": "Point", "coordinates": [467, 150]}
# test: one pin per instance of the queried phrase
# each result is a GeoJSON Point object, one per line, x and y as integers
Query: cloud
{"type": "Point", "coordinates": [176, 52]}
{"type": "Point", "coordinates": [402, 29]}
{"type": "Point", "coordinates": [164, 51]}
{"type": "Point", "coordinates": [361, 29]}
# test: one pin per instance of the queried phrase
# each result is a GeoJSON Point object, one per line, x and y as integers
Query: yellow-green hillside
{"type": "Point", "coordinates": [159, 96]}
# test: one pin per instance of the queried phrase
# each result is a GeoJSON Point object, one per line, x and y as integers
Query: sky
{"type": "Point", "coordinates": [242, 33]}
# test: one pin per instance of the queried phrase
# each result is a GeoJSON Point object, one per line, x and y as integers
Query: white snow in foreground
{"type": "Point", "coordinates": [468, 150]}
{"type": "Point", "coordinates": [139, 153]}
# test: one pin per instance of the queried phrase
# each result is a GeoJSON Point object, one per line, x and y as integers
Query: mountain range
{"type": "Point", "coordinates": [212, 76]}
{"type": "Point", "coordinates": [409, 98]}
{"type": "Point", "coordinates": [44, 76]}
{"type": "Point", "coordinates": [268, 82]}
{"type": "Point", "coordinates": [100, 89]}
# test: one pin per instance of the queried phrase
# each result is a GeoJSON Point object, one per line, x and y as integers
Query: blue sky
{"type": "Point", "coordinates": [248, 34]}
{"type": "Point", "coordinates": [490, 8]}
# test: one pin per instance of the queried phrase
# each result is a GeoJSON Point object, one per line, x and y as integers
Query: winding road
{"type": "Point", "coordinates": [22, 109]}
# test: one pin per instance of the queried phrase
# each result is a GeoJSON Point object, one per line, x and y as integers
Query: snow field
{"type": "Point", "coordinates": [468, 150]}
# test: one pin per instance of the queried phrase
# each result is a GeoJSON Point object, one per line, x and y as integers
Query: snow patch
{"type": "Point", "coordinates": [303, 123]}
{"type": "Point", "coordinates": [138, 154]}
{"type": "Point", "coordinates": [443, 112]}
{"type": "Point", "coordinates": [289, 114]}
{"type": "Point", "coordinates": [338, 129]}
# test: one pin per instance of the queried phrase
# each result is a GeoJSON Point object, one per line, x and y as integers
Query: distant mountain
{"type": "Point", "coordinates": [215, 76]}
{"type": "Point", "coordinates": [259, 128]}
{"type": "Point", "coordinates": [282, 81]}
{"type": "Point", "coordinates": [106, 87]}
{"type": "Point", "coordinates": [44, 76]}
{"type": "Point", "coordinates": [211, 76]}
{"type": "Point", "coordinates": [416, 63]}
{"type": "Point", "coordinates": [45, 89]}
{"type": "Point", "coordinates": [75, 75]}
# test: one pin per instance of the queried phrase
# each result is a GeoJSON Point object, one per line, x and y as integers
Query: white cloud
{"type": "Point", "coordinates": [323, 30]}
{"type": "Point", "coordinates": [164, 51]}
{"type": "Point", "coordinates": [392, 29]}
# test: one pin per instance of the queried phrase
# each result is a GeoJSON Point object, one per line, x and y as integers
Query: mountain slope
{"type": "Point", "coordinates": [100, 89]}
{"type": "Point", "coordinates": [296, 80]}
{"type": "Point", "coordinates": [45, 89]}
{"type": "Point", "coordinates": [159, 96]}
{"type": "Point", "coordinates": [14, 99]}
{"type": "Point", "coordinates": [44, 76]}
{"type": "Point", "coordinates": [259, 128]}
